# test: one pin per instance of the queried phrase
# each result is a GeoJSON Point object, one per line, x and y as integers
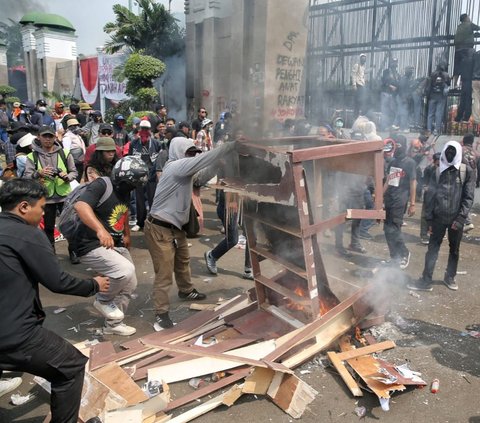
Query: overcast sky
{"type": "Point", "coordinates": [87, 16]}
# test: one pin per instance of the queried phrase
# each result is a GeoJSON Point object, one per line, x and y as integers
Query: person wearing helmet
{"type": "Point", "coordinates": [170, 211]}
{"type": "Point", "coordinates": [103, 239]}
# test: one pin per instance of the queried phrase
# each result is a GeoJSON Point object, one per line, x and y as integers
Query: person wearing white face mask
{"type": "Point", "coordinates": [40, 116]}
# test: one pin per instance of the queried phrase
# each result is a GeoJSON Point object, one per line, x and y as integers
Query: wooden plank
{"type": "Point", "coordinates": [294, 231]}
{"type": "Point", "coordinates": [370, 349]}
{"type": "Point", "coordinates": [205, 365]}
{"type": "Point", "coordinates": [327, 320]}
{"type": "Point", "coordinates": [284, 316]}
{"type": "Point", "coordinates": [258, 382]}
{"type": "Point", "coordinates": [116, 379]}
{"type": "Point", "coordinates": [291, 394]}
{"type": "Point", "coordinates": [207, 390]}
{"type": "Point", "coordinates": [365, 214]}
{"type": "Point", "coordinates": [229, 355]}
{"type": "Point", "coordinates": [100, 354]}
{"type": "Point", "coordinates": [288, 293]}
{"type": "Point", "coordinates": [226, 398]}
{"type": "Point", "coordinates": [200, 307]}
{"type": "Point", "coordinates": [345, 374]}
{"type": "Point", "coordinates": [268, 255]}
{"type": "Point", "coordinates": [141, 372]}
{"type": "Point", "coordinates": [96, 398]}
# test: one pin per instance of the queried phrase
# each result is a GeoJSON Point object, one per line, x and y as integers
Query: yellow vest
{"type": "Point", "coordinates": [54, 185]}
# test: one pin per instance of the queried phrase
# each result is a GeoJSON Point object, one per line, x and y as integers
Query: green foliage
{"type": "Point", "coordinates": [154, 30]}
{"type": "Point", "coordinates": [147, 96]}
{"type": "Point", "coordinates": [140, 115]}
{"type": "Point", "coordinates": [11, 100]}
{"type": "Point", "coordinates": [141, 71]}
{"type": "Point", "coordinates": [53, 96]}
{"type": "Point", "coordinates": [6, 90]}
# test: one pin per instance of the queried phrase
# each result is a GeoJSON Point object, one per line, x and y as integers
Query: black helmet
{"type": "Point", "coordinates": [131, 170]}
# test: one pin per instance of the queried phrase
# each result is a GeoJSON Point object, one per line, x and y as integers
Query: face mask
{"type": "Point", "coordinates": [450, 154]}
{"type": "Point", "coordinates": [42, 109]}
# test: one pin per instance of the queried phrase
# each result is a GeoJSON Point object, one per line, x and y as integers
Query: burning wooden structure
{"type": "Point", "coordinates": [286, 184]}
{"type": "Point", "coordinates": [289, 317]}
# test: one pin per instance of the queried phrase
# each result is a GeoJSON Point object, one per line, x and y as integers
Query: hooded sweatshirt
{"type": "Point", "coordinates": [174, 191]}
{"type": "Point", "coordinates": [450, 191]}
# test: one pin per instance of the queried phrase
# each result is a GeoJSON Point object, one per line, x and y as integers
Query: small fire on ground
{"type": "Point", "coordinates": [326, 303]}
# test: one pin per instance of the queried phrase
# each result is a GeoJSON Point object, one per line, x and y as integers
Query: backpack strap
{"type": "Point", "coordinates": [35, 159]}
{"type": "Point", "coordinates": [108, 190]}
{"type": "Point", "coordinates": [61, 153]}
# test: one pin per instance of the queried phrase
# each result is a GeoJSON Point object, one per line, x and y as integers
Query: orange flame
{"type": "Point", "coordinates": [326, 304]}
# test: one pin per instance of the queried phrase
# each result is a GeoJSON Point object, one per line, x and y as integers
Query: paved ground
{"type": "Point", "coordinates": [429, 332]}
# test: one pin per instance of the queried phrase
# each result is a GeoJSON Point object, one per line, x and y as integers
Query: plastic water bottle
{"type": "Point", "coordinates": [435, 386]}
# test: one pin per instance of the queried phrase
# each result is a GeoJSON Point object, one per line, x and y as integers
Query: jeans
{"type": "Point", "coordinates": [117, 264]}
{"type": "Point", "coordinates": [393, 232]}
{"type": "Point", "coordinates": [49, 219]}
{"type": "Point", "coordinates": [436, 238]}
{"type": "Point", "coordinates": [436, 110]}
{"type": "Point", "coordinates": [231, 233]}
{"type": "Point", "coordinates": [168, 248]}
{"type": "Point", "coordinates": [366, 224]}
{"type": "Point", "coordinates": [47, 355]}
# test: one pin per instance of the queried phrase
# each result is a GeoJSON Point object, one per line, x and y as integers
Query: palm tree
{"type": "Point", "coordinates": [154, 31]}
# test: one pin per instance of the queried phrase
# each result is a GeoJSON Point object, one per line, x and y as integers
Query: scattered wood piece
{"type": "Point", "coordinates": [229, 396]}
{"type": "Point", "coordinates": [116, 379]}
{"type": "Point", "coordinates": [291, 394]}
{"type": "Point", "coordinates": [204, 365]}
{"type": "Point", "coordinates": [287, 318]}
{"type": "Point", "coordinates": [259, 381]}
{"type": "Point", "coordinates": [206, 390]}
{"type": "Point", "coordinates": [229, 355]}
{"type": "Point", "coordinates": [200, 307]}
{"type": "Point", "coordinates": [101, 354]}
{"type": "Point", "coordinates": [370, 349]}
{"type": "Point", "coordinates": [352, 385]}
{"type": "Point", "coordinates": [96, 398]}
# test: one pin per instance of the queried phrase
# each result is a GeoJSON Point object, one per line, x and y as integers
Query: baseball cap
{"type": "Point", "coordinates": [45, 129]}
{"type": "Point", "coordinates": [136, 120]}
{"type": "Point", "coordinates": [105, 144]}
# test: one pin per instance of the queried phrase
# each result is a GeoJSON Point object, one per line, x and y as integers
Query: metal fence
{"type": "Point", "coordinates": [418, 33]}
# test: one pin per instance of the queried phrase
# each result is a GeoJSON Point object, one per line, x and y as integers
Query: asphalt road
{"type": "Point", "coordinates": [429, 331]}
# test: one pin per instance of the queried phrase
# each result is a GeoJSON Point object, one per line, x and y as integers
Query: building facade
{"type": "Point", "coordinates": [50, 52]}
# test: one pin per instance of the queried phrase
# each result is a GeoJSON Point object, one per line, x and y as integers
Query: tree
{"type": "Point", "coordinates": [6, 90]}
{"type": "Point", "coordinates": [154, 31]}
{"type": "Point", "coordinates": [141, 70]}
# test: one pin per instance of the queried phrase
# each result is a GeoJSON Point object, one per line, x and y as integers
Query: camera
{"type": "Point", "coordinates": [56, 172]}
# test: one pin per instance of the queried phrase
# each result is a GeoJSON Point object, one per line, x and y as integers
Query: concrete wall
{"type": "Point", "coordinates": [3, 66]}
{"type": "Point", "coordinates": [247, 56]}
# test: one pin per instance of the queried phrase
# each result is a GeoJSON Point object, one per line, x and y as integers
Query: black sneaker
{"type": "Point", "coordinates": [424, 240]}
{"type": "Point", "coordinates": [357, 249]}
{"type": "Point", "coordinates": [163, 320]}
{"type": "Point", "coordinates": [420, 285]}
{"type": "Point", "coordinates": [343, 252]}
{"type": "Point", "coordinates": [365, 235]}
{"type": "Point", "coordinates": [192, 296]}
{"type": "Point", "coordinates": [450, 283]}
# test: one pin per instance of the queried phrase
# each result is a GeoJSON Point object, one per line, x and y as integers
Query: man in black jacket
{"type": "Point", "coordinates": [27, 259]}
{"type": "Point", "coordinates": [448, 200]}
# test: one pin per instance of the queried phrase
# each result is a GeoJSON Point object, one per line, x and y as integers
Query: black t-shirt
{"type": "Point", "coordinates": [400, 173]}
{"type": "Point", "coordinates": [113, 214]}
{"type": "Point", "coordinates": [197, 125]}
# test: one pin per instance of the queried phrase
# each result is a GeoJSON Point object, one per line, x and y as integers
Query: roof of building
{"type": "Point", "coordinates": [47, 19]}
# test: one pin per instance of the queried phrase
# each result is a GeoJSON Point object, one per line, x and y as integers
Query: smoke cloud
{"type": "Point", "coordinates": [18, 8]}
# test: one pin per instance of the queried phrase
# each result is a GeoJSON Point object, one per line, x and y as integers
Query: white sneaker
{"type": "Point", "coordinates": [8, 385]}
{"type": "Point", "coordinates": [122, 329]}
{"type": "Point", "coordinates": [110, 310]}
{"type": "Point", "coordinates": [135, 228]}
{"type": "Point", "coordinates": [468, 227]}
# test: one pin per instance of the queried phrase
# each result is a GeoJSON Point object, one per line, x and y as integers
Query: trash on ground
{"type": "Point", "coordinates": [18, 399]}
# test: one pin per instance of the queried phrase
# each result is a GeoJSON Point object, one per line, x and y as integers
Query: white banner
{"type": "Point", "coordinates": [109, 87]}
